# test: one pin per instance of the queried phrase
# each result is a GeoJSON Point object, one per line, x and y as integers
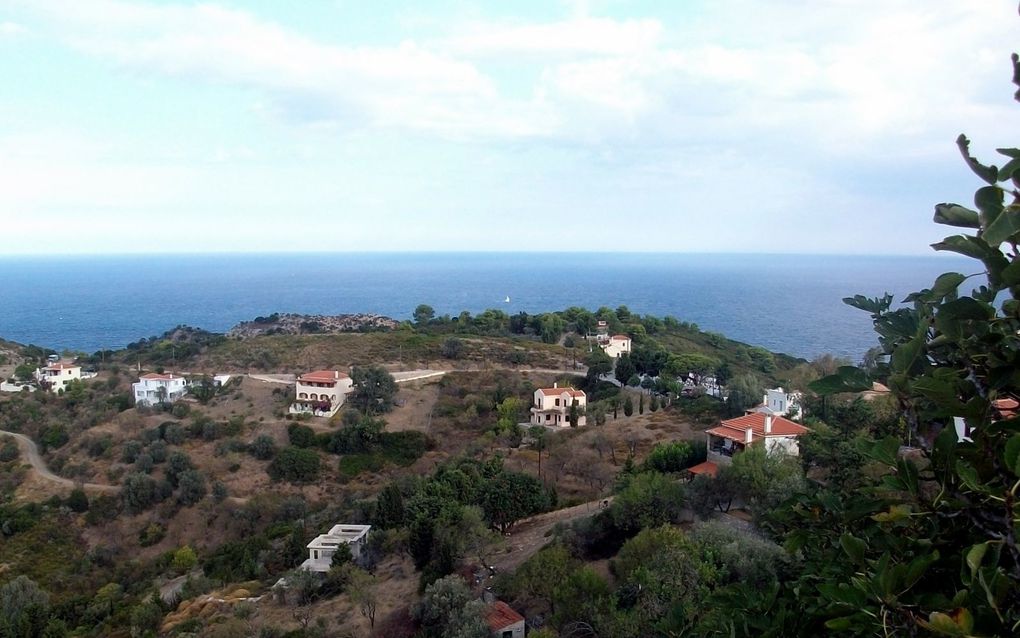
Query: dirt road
{"type": "Point", "coordinates": [531, 534]}
{"type": "Point", "coordinates": [31, 452]}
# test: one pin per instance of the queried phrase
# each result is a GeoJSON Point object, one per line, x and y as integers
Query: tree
{"type": "Point", "coordinates": [542, 574]}
{"type": "Point", "coordinates": [744, 391]}
{"type": "Point", "coordinates": [184, 560]}
{"type": "Point", "coordinates": [177, 463]}
{"type": "Point", "coordinates": [641, 404]}
{"type": "Point", "coordinates": [442, 600]}
{"type": "Point", "coordinates": [538, 443]}
{"type": "Point", "coordinates": [138, 492]}
{"type": "Point", "coordinates": [24, 608]}
{"type": "Point", "coordinates": [423, 314]}
{"type": "Point", "coordinates": [690, 365]}
{"type": "Point", "coordinates": [24, 372]}
{"type": "Point", "coordinates": [599, 364]}
{"type": "Point", "coordinates": [362, 589]}
{"type": "Point", "coordinates": [628, 406]}
{"type": "Point", "coordinates": [78, 501]}
{"type": "Point", "coordinates": [453, 348]}
{"type": "Point", "coordinates": [191, 486]}
{"type": "Point", "coordinates": [928, 546]}
{"type": "Point", "coordinates": [625, 369]}
{"type": "Point", "coordinates": [374, 389]}
{"type": "Point", "coordinates": [389, 508]}
{"type": "Point", "coordinates": [574, 414]}
{"type": "Point", "coordinates": [295, 464]}
{"type": "Point", "coordinates": [204, 389]}
{"type": "Point", "coordinates": [509, 497]}
{"type": "Point", "coordinates": [263, 447]}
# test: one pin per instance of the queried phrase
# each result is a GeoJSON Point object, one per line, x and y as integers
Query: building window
{"type": "Point", "coordinates": [557, 403]}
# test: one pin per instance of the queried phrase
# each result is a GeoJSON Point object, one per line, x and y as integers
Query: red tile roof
{"type": "Point", "coordinates": [155, 376]}
{"type": "Point", "coordinates": [555, 392]}
{"type": "Point", "coordinates": [1006, 408]}
{"type": "Point", "coordinates": [500, 615]}
{"type": "Point", "coordinates": [62, 366]}
{"type": "Point", "coordinates": [736, 429]}
{"type": "Point", "coordinates": [322, 376]}
{"type": "Point", "coordinates": [707, 467]}
{"type": "Point", "coordinates": [619, 338]}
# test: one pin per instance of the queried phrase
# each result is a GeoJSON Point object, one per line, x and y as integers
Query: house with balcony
{"type": "Point", "coordinates": [56, 376]}
{"type": "Point", "coordinates": [731, 437]}
{"type": "Point", "coordinates": [323, 546]}
{"type": "Point", "coordinates": [616, 345]}
{"type": "Point", "coordinates": [321, 393]}
{"type": "Point", "coordinates": [156, 388]}
{"type": "Point", "coordinates": [552, 406]}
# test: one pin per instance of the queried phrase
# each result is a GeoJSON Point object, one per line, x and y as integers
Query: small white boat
{"type": "Point", "coordinates": [507, 300]}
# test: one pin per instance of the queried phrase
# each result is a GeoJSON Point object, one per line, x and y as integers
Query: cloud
{"type": "Point", "coordinates": [10, 29]}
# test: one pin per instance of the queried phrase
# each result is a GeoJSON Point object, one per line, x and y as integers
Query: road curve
{"type": "Point", "coordinates": [31, 452]}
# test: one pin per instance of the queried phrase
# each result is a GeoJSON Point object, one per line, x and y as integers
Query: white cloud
{"type": "Point", "coordinates": [11, 29]}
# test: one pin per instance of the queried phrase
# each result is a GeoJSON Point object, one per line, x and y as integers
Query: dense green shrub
{"type": "Point", "coordinates": [295, 464]}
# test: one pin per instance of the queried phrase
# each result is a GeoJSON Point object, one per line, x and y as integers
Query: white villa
{"type": "Point", "coordinates": [57, 375]}
{"type": "Point", "coordinates": [780, 403]}
{"type": "Point", "coordinates": [552, 406]}
{"type": "Point", "coordinates": [323, 546]}
{"type": "Point", "coordinates": [321, 393]}
{"type": "Point", "coordinates": [616, 345]}
{"type": "Point", "coordinates": [776, 433]}
{"type": "Point", "coordinates": [155, 387]}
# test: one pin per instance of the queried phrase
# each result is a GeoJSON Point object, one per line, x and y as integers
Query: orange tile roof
{"type": "Point", "coordinates": [707, 467]}
{"type": "Point", "coordinates": [619, 338]}
{"type": "Point", "coordinates": [62, 366]}
{"type": "Point", "coordinates": [1006, 408]}
{"type": "Point", "coordinates": [155, 376]}
{"type": "Point", "coordinates": [322, 376]}
{"type": "Point", "coordinates": [500, 615]}
{"type": "Point", "coordinates": [559, 391]}
{"type": "Point", "coordinates": [736, 429]}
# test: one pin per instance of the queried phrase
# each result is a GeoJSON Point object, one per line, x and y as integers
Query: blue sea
{"type": "Point", "coordinates": [786, 303]}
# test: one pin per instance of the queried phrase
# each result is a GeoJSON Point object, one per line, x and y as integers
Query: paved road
{"type": "Point", "coordinates": [31, 452]}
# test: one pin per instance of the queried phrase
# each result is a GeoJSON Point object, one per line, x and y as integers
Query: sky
{"type": "Point", "coordinates": [776, 126]}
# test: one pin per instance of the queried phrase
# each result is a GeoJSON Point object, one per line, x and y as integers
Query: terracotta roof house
{"type": "Point", "coordinates": [1005, 408]}
{"type": "Point", "coordinates": [503, 621]}
{"type": "Point", "coordinates": [57, 375]}
{"type": "Point", "coordinates": [776, 433]}
{"type": "Point", "coordinates": [321, 393]}
{"type": "Point", "coordinates": [551, 406]}
{"type": "Point", "coordinates": [616, 345]}
{"type": "Point", "coordinates": [154, 387]}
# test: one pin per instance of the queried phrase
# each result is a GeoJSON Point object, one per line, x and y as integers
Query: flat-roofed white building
{"type": "Point", "coordinates": [323, 546]}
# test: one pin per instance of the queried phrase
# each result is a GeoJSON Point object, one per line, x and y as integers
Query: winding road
{"type": "Point", "coordinates": [31, 452]}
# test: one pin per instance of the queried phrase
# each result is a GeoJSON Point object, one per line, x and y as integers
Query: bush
{"type": "Point", "coordinates": [77, 501]}
{"type": "Point", "coordinates": [301, 435]}
{"type": "Point", "coordinates": [295, 464]}
{"type": "Point", "coordinates": [675, 456]}
{"type": "Point", "coordinates": [130, 451]}
{"type": "Point", "coordinates": [184, 560]}
{"type": "Point", "coordinates": [151, 534]}
{"type": "Point", "coordinates": [192, 487]}
{"type": "Point", "coordinates": [263, 447]}
{"type": "Point", "coordinates": [8, 452]}
{"type": "Point", "coordinates": [139, 492]}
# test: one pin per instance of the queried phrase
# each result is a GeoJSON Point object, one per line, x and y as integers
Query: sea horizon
{"type": "Point", "coordinates": [784, 302]}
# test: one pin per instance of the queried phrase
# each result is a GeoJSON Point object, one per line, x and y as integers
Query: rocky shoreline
{"type": "Point", "coordinates": [295, 324]}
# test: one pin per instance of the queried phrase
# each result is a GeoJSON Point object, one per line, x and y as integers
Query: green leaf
{"type": "Point", "coordinates": [974, 556]}
{"type": "Point", "coordinates": [846, 379]}
{"type": "Point", "coordinates": [1010, 169]}
{"type": "Point", "coordinates": [854, 547]}
{"type": "Point", "coordinates": [1003, 227]}
{"type": "Point", "coordinates": [947, 283]}
{"type": "Point", "coordinates": [969, 476]}
{"type": "Point", "coordinates": [956, 215]}
{"type": "Point", "coordinates": [839, 624]}
{"type": "Point", "coordinates": [1009, 152]}
{"type": "Point", "coordinates": [989, 174]}
{"type": "Point", "coordinates": [988, 200]}
{"type": "Point", "coordinates": [885, 451]}
{"type": "Point", "coordinates": [1012, 454]}
{"type": "Point", "coordinates": [875, 306]}
{"type": "Point", "coordinates": [904, 357]}
{"type": "Point", "coordinates": [964, 245]}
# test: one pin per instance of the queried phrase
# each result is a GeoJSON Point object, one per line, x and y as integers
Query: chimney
{"type": "Point", "coordinates": [747, 435]}
{"type": "Point", "coordinates": [768, 424]}
{"type": "Point", "coordinates": [336, 374]}
{"type": "Point", "coordinates": [556, 385]}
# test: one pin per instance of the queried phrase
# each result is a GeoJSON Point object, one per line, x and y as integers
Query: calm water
{"type": "Point", "coordinates": [787, 303]}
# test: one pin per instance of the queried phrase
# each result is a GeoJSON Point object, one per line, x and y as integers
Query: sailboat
{"type": "Point", "coordinates": [507, 300]}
